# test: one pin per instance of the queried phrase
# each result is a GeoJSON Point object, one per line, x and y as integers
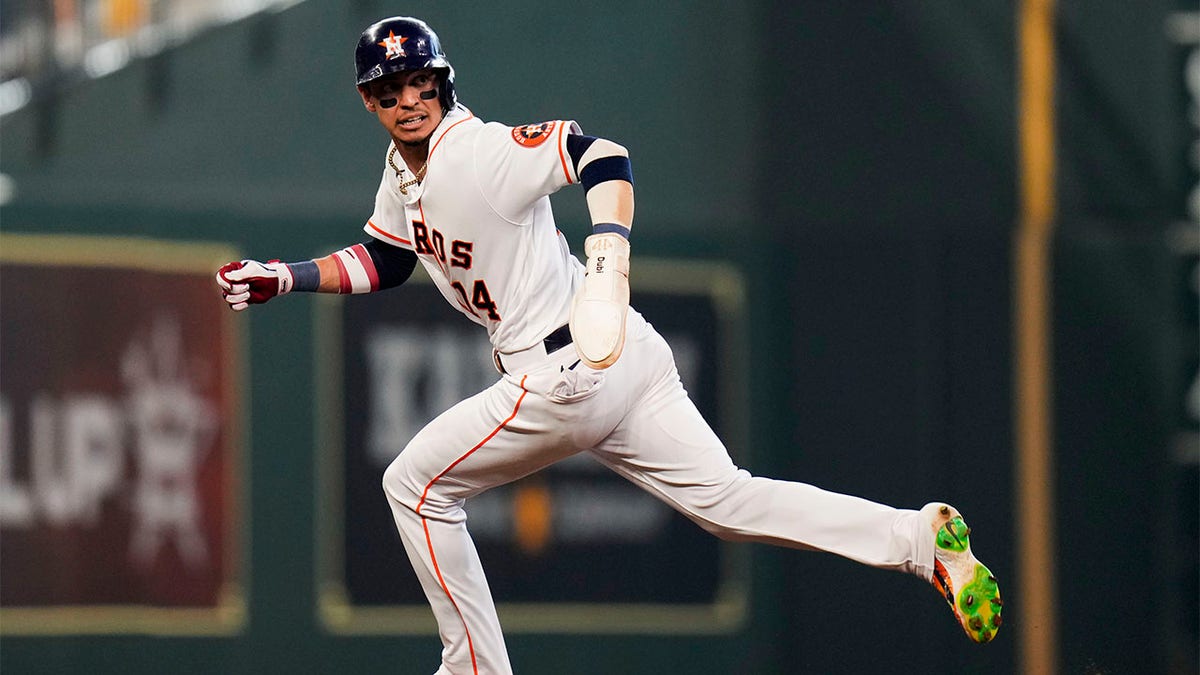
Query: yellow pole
{"type": "Point", "coordinates": [1034, 470]}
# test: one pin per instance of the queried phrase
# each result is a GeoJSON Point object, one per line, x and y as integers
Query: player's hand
{"type": "Point", "coordinates": [249, 282]}
{"type": "Point", "coordinates": [598, 312]}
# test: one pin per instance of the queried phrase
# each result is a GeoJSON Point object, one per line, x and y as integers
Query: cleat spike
{"type": "Point", "coordinates": [970, 600]}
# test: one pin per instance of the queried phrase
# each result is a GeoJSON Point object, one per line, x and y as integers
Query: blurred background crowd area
{"type": "Point", "coordinates": [54, 43]}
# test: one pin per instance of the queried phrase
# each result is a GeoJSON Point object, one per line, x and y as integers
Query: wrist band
{"type": "Point", "coordinates": [305, 276]}
{"type": "Point", "coordinates": [602, 228]}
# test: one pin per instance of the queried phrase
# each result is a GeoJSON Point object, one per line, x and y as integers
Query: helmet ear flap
{"type": "Point", "coordinates": [446, 91]}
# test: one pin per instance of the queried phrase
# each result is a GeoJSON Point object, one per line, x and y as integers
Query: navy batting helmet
{"type": "Point", "coordinates": [402, 43]}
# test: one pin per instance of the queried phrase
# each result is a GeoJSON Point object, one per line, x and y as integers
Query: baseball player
{"type": "Point", "coordinates": [580, 370]}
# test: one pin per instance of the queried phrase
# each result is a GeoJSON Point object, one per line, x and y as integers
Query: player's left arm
{"type": "Point", "coordinates": [598, 312]}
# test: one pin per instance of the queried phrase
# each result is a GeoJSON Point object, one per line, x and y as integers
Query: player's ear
{"type": "Point", "coordinates": [366, 97]}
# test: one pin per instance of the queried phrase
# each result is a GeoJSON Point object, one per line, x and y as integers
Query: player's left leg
{"type": "Point", "coordinates": [675, 456]}
{"type": "Point", "coordinates": [665, 446]}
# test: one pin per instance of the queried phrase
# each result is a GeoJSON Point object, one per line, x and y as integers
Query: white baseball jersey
{"type": "Point", "coordinates": [481, 224]}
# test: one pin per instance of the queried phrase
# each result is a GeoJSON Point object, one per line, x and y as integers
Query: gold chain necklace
{"type": "Point", "coordinates": [419, 175]}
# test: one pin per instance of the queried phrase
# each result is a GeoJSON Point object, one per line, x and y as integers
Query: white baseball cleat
{"type": "Point", "coordinates": [968, 585]}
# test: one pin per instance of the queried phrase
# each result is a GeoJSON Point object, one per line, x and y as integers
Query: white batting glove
{"type": "Point", "coordinates": [249, 282]}
{"type": "Point", "coordinates": [598, 312]}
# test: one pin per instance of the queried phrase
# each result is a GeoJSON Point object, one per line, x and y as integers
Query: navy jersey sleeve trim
{"type": "Point", "coordinates": [577, 144]}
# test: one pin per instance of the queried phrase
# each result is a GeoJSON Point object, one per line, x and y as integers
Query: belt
{"type": "Point", "coordinates": [527, 359]}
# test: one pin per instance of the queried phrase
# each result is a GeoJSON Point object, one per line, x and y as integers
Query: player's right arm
{"type": "Point", "coordinates": [361, 268]}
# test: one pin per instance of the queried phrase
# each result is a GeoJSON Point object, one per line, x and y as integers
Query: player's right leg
{"type": "Point", "coordinates": [506, 432]}
{"type": "Point", "coordinates": [432, 525]}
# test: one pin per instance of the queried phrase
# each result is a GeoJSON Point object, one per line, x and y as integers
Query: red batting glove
{"type": "Point", "coordinates": [249, 282]}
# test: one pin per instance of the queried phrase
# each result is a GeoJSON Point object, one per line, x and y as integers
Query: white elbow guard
{"type": "Point", "coordinates": [598, 313]}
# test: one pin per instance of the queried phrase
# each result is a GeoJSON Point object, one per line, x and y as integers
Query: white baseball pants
{"type": "Point", "coordinates": [635, 418]}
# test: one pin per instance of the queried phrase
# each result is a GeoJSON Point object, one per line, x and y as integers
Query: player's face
{"type": "Point", "coordinates": [406, 104]}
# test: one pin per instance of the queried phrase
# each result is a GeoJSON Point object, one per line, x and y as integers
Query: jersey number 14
{"type": "Point", "coordinates": [480, 299]}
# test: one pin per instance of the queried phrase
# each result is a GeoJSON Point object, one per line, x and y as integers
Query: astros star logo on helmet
{"type": "Point", "coordinates": [394, 45]}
